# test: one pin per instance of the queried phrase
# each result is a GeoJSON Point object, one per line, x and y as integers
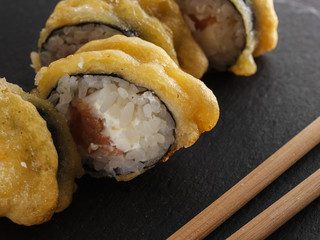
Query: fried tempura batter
{"type": "Point", "coordinates": [28, 162]}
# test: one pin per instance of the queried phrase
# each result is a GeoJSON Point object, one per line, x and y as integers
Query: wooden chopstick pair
{"type": "Point", "coordinates": [281, 211]}
{"type": "Point", "coordinates": [250, 186]}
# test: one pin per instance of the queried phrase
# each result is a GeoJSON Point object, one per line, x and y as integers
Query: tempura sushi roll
{"type": "Point", "coordinates": [232, 32]}
{"type": "Point", "coordinates": [38, 158]}
{"type": "Point", "coordinates": [128, 104]}
{"type": "Point", "coordinates": [74, 23]}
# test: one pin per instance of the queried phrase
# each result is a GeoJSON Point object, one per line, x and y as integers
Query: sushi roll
{"type": "Point", "coordinates": [74, 23]}
{"type": "Point", "coordinates": [128, 104]}
{"type": "Point", "coordinates": [232, 32]}
{"type": "Point", "coordinates": [38, 160]}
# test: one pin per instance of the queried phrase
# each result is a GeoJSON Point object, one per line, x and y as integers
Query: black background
{"type": "Point", "coordinates": [258, 115]}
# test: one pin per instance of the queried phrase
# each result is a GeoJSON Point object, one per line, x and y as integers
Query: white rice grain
{"type": "Point", "coordinates": [69, 39]}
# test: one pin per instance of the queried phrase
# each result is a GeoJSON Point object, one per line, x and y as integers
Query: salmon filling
{"type": "Point", "coordinates": [87, 129]}
{"type": "Point", "coordinates": [119, 128]}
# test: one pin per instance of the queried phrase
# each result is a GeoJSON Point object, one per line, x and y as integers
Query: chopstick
{"type": "Point", "coordinates": [224, 207]}
{"type": "Point", "coordinates": [281, 211]}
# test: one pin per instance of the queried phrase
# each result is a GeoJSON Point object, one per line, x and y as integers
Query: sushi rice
{"type": "Point", "coordinates": [127, 127]}
{"type": "Point", "coordinates": [67, 40]}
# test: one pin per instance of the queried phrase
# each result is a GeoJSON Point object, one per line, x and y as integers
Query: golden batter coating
{"type": "Point", "coordinates": [193, 106]}
{"type": "Point", "coordinates": [267, 23]}
{"type": "Point", "coordinates": [262, 34]}
{"type": "Point", "coordinates": [28, 162]}
{"type": "Point", "coordinates": [156, 21]}
{"type": "Point", "coordinates": [43, 167]}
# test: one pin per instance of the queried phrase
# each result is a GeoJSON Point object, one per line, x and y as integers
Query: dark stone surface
{"type": "Point", "coordinates": [258, 115]}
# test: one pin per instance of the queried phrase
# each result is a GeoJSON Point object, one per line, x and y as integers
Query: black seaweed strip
{"type": "Point", "coordinates": [241, 14]}
{"type": "Point", "coordinates": [54, 133]}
